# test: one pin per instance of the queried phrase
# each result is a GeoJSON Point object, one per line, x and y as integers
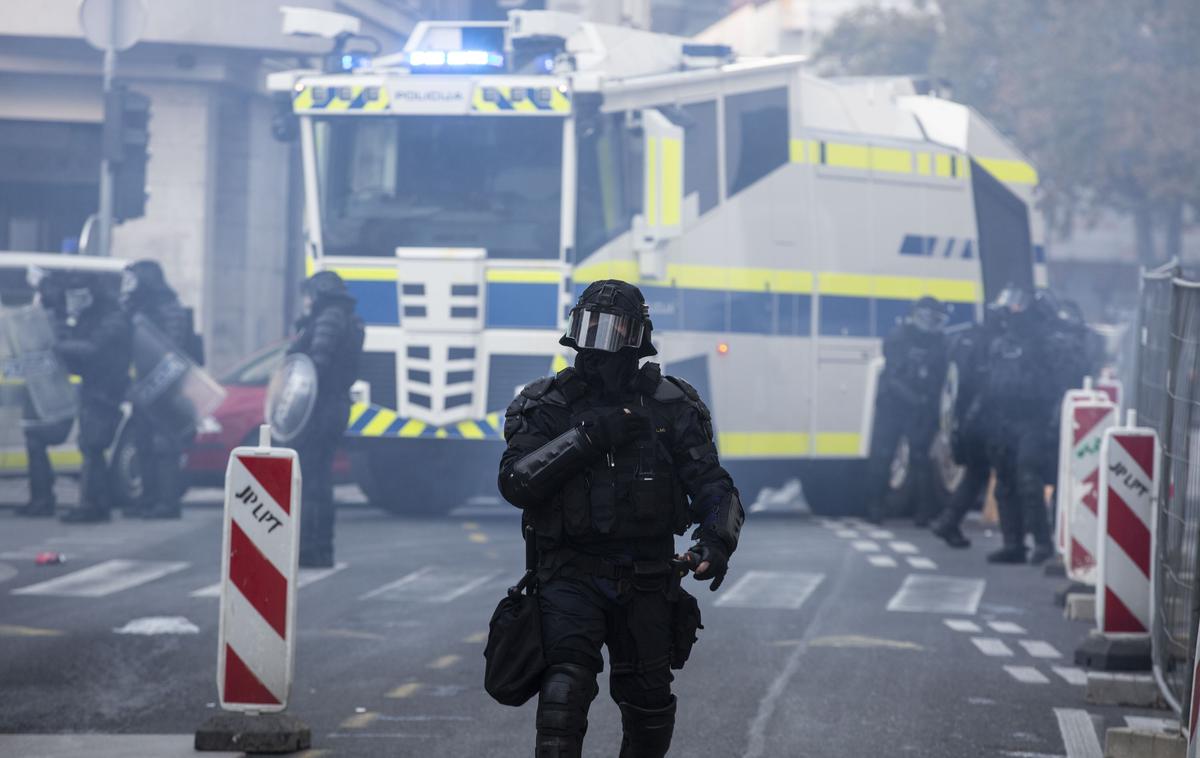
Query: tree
{"type": "Point", "coordinates": [874, 41]}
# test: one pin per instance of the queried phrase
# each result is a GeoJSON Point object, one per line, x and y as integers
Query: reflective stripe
{"type": "Point", "coordinates": [470, 430]}
{"type": "Point", "coordinates": [689, 276]}
{"type": "Point", "coordinates": [378, 422]}
{"type": "Point", "coordinates": [383, 419]}
{"type": "Point", "coordinates": [896, 287]}
{"type": "Point", "coordinates": [843, 155]}
{"type": "Point", "coordinates": [924, 164]}
{"type": "Point", "coordinates": [787, 444]}
{"type": "Point", "coordinates": [891, 160]}
{"type": "Point", "coordinates": [366, 98]}
{"type": "Point", "coordinates": [838, 444]}
{"type": "Point", "coordinates": [513, 100]}
{"type": "Point", "coordinates": [1010, 171]}
{"type": "Point", "coordinates": [358, 274]}
{"type": "Point", "coordinates": [672, 180]}
{"type": "Point", "coordinates": [652, 182]}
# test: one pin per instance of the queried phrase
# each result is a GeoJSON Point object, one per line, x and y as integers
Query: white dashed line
{"type": "Point", "coordinates": [847, 534]}
{"type": "Point", "coordinates": [962, 625]}
{"type": "Point", "coordinates": [1040, 649]}
{"type": "Point", "coordinates": [904, 548]}
{"type": "Point", "coordinates": [991, 646]}
{"type": "Point", "coordinates": [305, 577]}
{"type": "Point", "coordinates": [865, 546]}
{"type": "Point", "coordinates": [103, 578]}
{"type": "Point", "coordinates": [770, 589]}
{"type": "Point", "coordinates": [944, 595]}
{"type": "Point", "coordinates": [1027, 675]}
{"type": "Point", "coordinates": [1071, 675]}
{"type": "Point", "coordinates": [921, 562]}
{"type": "Point", "coordinates": [1078, 733]}
{"type": "Point", "coordinates": [882, 561]}
{"type": "Point", "coordinates": [880, 534]}
{"type": "Point", "coordinates": [1006, 627]}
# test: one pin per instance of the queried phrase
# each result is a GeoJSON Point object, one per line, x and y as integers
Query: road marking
{"type": "Point", "coordinates": [880, 534]}
{"type": "Point", "coordinates": [407, 689]}
{"type": "Point", "coordinates": [847, 534]}
{"type": "Point", "coordinates": [1006, 627]}
{"type": "Point", "coordinates": [152, 626]}
{"type": "Point", "coordinates": [904, 548]}
{"type": "Point", "coordinates": [865, 546]}
{"type": "Point", "coordinates": [991, 646]}
{"type": "Point", "coordinates": [399, 584]}
{"type": "Point", "coordinates": [465, 588]}
{"type": "Point", "coordinates": [103, 579]}
{"type": "Point", "coordinates": [1040, 649]}
{"type": "Point", "coordinates": [12, 630]}
{"type": "Point", "coordinates": [962, 625]}
{"type": "Point", "coordinates": [445, 662]}
{"type": "Point", "coordinates": [859, 641]}
{"type": "Point", "coordinates": [757, 743]}
{"type": "Point", "coordinates": [771, 589]}
{"type": "Point", "coordinates": [428, 586]}
{"type": "Point", "coordinates": [1078, 733]}
{"type": "Point", "coordinates": [478, 538]}
{"type": "Point", "coordinates": [470, 525]}
{"type": "Point", "coordinates": [922, 593]}
{"type": "Point", "coordinates": [305, 577]}
{"type": "Point", "coordinates": [1152, 724]}
{"type": "Point", "coordinates": [883, 561]}
{"type": "Point", "coordinates": [1071, 675]}
{"type": "Point", "coordinates": [1027, 675]}
{"type": "Point", "coordinates": [476, 638]}
{"type": "Point", "coordinates": [360, 720]}
{"type": "Point", "coordinates": [920, 562]}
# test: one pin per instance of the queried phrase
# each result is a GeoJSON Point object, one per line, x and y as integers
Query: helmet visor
{"type": "Point", "coordinates": [597, 330]}
{"type": "Point", "coordinates": [929, 319]}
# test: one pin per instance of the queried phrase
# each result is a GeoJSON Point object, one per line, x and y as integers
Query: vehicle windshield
{"type": "Point", "coordinates": [440, 181]}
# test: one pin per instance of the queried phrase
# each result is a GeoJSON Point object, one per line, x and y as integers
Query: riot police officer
{"type": "Point", "coordinates": [331, 334]}
{"type": "Point", "coordinates": [40, 435]}
{"type": "Point", "coordinates": [1020, 399]}
{"type": "Point", "coordinates": [906, 404]}
{"type": "Point", "coordinates": [95, 343]}
{"type": "Point", "coordinates": [968, 351]}
{"type": "Point", "coordinates": [607, 461]}
{"type": "Point", "coordinates": [144, 290]}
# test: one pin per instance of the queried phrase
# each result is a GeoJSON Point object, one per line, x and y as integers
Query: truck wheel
{"type": "Point", "coordinates": [125, 473]}
{"type": "Point", "coordinates": [898, 494]}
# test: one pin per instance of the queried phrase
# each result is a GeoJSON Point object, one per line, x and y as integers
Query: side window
{"type": "Point", "coordinates": [756, 136]}
{"type": "Point", "coordinates": [610, 169]}
{"type": "Point", "coordinates": [700, 153]}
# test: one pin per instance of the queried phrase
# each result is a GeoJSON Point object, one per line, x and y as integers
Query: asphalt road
{"type": "Point", "coordinates": [828, 638]}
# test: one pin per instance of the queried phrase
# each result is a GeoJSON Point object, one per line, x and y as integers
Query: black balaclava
{"type": "Point", "coordinates": [611, 373]}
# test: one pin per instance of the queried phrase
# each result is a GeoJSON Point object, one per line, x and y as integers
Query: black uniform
{"type": "Point", "coordinates": [145, 291]}
{"type": "Point", "coordinates": [1019, 398]}
{"type": "Point", "coordinates": [95, 343]}
{"type": "Point", "coordinates": [39, 436]}
{"type": "Point", "coordinates": [906, 405]}
{"type": "Point", "coordinates": [969, 350]}
{"type": "Point", "coordinates": [608, 462]}
{"type": "Point", "coordinates": [332, 335]}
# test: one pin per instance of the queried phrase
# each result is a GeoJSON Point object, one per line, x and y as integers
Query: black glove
{"type": "Point", "coordinates": [613, 429]}
{"type": "Point", "coordinates": [714, 551]}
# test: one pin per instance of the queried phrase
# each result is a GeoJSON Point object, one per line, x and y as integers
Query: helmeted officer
{"type": "Point", "coordinates": [968, 351]}
{"type": "Point", "coordinates": [39, 435]}
{"type": "Point", "coordinates": [331, 334]}
{"type": "Point", "coordinates": [608, 461]}
{"type": "Point", "coordinates": [95, 343]}
{"type": "Point", "coordinates": [907, 404]}
{"type": "Point", "coordinates": [144, 290]}
{"type": "Point", "coordinates": [1019, 397]}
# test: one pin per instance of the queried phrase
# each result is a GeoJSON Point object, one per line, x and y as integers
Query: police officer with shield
{"type": "Point", "coordinates": [95, 343]}
{"type": "Point", "coordinates": [608, 461]}
{"type": "Point", "coordinates": [330, 335]}
{"type": "Point", "coordinates": [146, 294]}
{"type": "Point", "coordinates": [906, 405]}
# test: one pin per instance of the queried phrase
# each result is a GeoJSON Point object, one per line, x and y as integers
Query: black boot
{"type": "Point", "coordinates": [647, 731]}
{"type": "Point", "coordinates": [38, 509]}
{"type": "Point", "coordinates": [949, 533]}
{"type": "Point", "coordinates": [1008, 554]}
{"type": "Point", "coordinates": [1042, 552]}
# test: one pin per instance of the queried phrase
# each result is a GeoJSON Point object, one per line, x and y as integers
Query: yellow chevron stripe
{"type": "Point", "coordinates": [303, 100]}
{"type": "Point", "coordinates": [356, 412]}
{"type": "Point", "coordinates": [412, 428]}
{"type": "Point", "coordinates": [470, 430]}
{"type": "Point", "coordinates": [493, 420]}
{"type": "Point", "coordinates": [376, 427]}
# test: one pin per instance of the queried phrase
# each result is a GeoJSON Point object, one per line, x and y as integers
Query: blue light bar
{"type": "Point", "coordinates": [455, 59]}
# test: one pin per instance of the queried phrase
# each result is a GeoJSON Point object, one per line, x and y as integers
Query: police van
{"type": "Point", "coordinates": [469, 187]}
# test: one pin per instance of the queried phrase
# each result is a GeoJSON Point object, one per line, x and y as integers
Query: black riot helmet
{"type": "Point", "coordinates": [142, 280]}
{"type": "Point", "coordinates": [928, 315]}
{"type": "Point", "coordinates": [611, 315]}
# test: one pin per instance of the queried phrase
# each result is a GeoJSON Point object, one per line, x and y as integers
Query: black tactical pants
{"type": "Point", "coordinates": [316, 511]}
{"type": "Point", "coordinates": [98, 422]}
{"type": "Point", "coordinates": [894, 420]}
{"type": "Point", "coordinates": [38, 440]}
{"type": "Point", "coordinates": [1018, 455]}
{"type": "Point", "coordinates": [160, 458]}
{"type": "Point", "coordinates": [579, 616]}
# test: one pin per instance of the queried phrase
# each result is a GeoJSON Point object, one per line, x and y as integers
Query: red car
{"type": "Point", "coordinates": [236, 421]}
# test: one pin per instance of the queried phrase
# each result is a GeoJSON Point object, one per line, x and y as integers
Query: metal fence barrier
{"type": "Point", "coordinates": [1167, 396]}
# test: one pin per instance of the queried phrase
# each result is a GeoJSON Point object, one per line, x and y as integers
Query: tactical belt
{"type": "Point", "coordinates": [574, 565]}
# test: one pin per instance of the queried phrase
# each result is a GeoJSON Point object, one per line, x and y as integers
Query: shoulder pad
{"type": "Point", "coordinates": [677, 389]}
{"type": "Point", "coordinates": [542, 391]}
{"type": "Point", "coordinates": [538, 388]}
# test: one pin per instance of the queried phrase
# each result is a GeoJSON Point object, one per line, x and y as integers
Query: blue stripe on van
{"type": "Point", "coordinates": [519, 305]}
{"type": "Point", "coordinates": [378, 302]}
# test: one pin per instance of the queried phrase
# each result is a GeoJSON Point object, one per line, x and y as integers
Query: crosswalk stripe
{"type": "Point", "coordinates": [103, 579]}
{"type": "Point", "coordinates": [1006, 627]}
{"type": "Point", "coordinates": [865, 546]}
{"type": "Point", "coordinates": [880, 534]}
{"type": "Point", "coordinates": [991, 646]}
{"type": "Point", "coordinates": [771, 589]}
{"type": "Point", "coordinates": [921, 562]}
{"type": "Point", "coordinates": [430, 585]}
{"type": "Point", "coordinates": [1078, 733]}
{"type": "Point", "coordinates": [306, 577]}
{"type": "Point", "coordinates": [962, 625]}
{"type": "Point", "coordinates": [882, 561]}
{"type": "Point", "coordinates": [847, 534]}
{"type": "Point", "coordinates": [904, 548]}
{"type": "Point", "coordinates": [1040, 649]}
{"type": "Point", "coordinates": [945, 595]}
{"type": "Point", "coordinates": [1071, 675]}
{"type": "Point", "coordinates": [1027, 675]}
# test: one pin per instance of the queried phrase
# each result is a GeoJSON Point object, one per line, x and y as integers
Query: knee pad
{"type": "Point", "coordinates": [567, 693]}
{"type": "Point", "coordinates": [647, 731]}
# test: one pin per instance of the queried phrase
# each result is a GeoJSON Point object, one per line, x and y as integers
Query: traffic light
{"type": "Point", "coordinates": [125, 139]}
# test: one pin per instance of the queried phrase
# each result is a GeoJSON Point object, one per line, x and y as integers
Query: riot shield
{"type": "Point", "coordinates": [291, 397]}
{"type": "Point", "coordinates": [34, 376]}
{"type": "Point", "coordinates": [171, 390]}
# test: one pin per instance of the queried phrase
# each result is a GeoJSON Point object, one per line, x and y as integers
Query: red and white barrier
{"type": "Point", "coordinates": [1089, 420]}
{"type": "Point", "coordinates": [1193, 733]}
{"type": "Point", "coordinates": [259, 559]}
{"type": "Point", "coordinates": [1066, 438]}
{"type": "Point", "coordinates": [1112, 388]}
{"type": "Point", "coordinates": [1129, 474]}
